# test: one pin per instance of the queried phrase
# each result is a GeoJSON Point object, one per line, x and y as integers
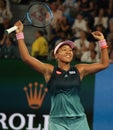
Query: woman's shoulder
{"type": "Point", "coordinates": [50, 67]}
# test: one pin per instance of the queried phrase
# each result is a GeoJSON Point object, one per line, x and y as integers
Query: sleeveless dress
{"type": "Point", "coordinates": [67, 112]}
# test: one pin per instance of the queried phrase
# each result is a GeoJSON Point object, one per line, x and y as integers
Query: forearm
{"type": "Point", "coordinates": [104, 62]}
{"type": "Point", "coordinates": [104, 53]}
{"type": "Point", "coordinates": [104, 57]}
{"type": "Point", "coordinates": [24, 53]}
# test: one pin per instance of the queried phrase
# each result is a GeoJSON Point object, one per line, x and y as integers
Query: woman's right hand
{"type": "Point", "coordinates": [20, 26]}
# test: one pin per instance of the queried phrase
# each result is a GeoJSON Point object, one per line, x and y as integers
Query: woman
{"type": "Point", "coordinates": [67, 112]}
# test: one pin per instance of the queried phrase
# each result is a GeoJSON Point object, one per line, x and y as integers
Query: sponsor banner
{"type": "Point", "coordinates": [25, 122]}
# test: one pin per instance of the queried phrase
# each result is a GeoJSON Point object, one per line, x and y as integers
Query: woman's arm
{"type": "Point", "coordinates": [26, 57]}
{"type": "Point", "coordinates": [86, 69]}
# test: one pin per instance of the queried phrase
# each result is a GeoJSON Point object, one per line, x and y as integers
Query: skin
{"type": "Point", "coordinates": [64, 56]}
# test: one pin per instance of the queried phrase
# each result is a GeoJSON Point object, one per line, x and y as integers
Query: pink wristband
{"type": "Point", "coordinates": [103, 44]}
{"type": "Point", "coordinates": [20, 35]}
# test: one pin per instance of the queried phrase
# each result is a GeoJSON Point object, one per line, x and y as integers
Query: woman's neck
{"type": "Point", "coordinates": [64, 66]}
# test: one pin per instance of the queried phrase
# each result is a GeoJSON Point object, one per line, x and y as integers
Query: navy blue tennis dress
{"type": "Point", "coordinates": [67, 112]}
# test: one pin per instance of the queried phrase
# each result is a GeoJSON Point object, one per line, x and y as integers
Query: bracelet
{"type": "Point", "coordinates": [103, 44]}
{"type": "Point", "coordinates": [20, 35]}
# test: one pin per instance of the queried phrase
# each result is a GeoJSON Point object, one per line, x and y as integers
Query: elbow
{"type": "Point", "coordinates": [106, 65]}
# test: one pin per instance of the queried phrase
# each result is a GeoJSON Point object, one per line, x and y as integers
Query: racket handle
{"type": "Point", "coordinates": [8, 31]}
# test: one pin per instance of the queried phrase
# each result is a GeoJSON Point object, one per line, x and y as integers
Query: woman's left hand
{"type": "Point", "coordinates": [98, 35]}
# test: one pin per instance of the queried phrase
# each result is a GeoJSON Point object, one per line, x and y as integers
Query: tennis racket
{"type": "Point", "coordinates": [38, 15]}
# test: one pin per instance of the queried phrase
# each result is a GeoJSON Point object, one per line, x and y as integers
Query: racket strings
{"type": "Point", "coordinates": [40, 15]}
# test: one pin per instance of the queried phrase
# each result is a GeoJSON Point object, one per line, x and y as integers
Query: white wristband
{"type": "Point", "coordinates": [103, 44]}
{"type": "Point", "coordinates": [20, 35]}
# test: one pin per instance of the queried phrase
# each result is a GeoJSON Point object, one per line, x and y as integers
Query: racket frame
{"type": "Point", "coordinates": [27, 16]}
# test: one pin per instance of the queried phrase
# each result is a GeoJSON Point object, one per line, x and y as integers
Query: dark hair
{"type": "Point", "coordinates": [41, 32]}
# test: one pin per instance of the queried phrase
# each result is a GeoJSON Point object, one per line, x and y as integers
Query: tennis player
{"type": "Point", "coordinates": [63, 81]}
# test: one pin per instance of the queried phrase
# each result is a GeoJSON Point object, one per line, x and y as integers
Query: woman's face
{"type": "Point", "coordinates": [64, 54]}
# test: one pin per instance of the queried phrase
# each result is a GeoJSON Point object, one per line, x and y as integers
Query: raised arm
{"type": "Point", "coordinates": [24, 53]}
{"type": "Point", "coordinates": [86, 69]}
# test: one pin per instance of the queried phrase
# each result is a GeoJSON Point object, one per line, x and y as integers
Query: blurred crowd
{"type": "Point", "coordinates": [73, 20]}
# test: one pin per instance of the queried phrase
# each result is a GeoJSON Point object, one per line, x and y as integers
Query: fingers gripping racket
{"type": "Point", "coordinates": [38, 14]}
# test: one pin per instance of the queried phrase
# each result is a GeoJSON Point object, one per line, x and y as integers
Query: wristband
{"type": "Point", "coordinates": [103, 44]}
{"type": "Point", "coordinates": [20, 35]}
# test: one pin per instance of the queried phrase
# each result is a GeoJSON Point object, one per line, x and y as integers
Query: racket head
{"type": "Point", "coordinates": [39, 14]}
